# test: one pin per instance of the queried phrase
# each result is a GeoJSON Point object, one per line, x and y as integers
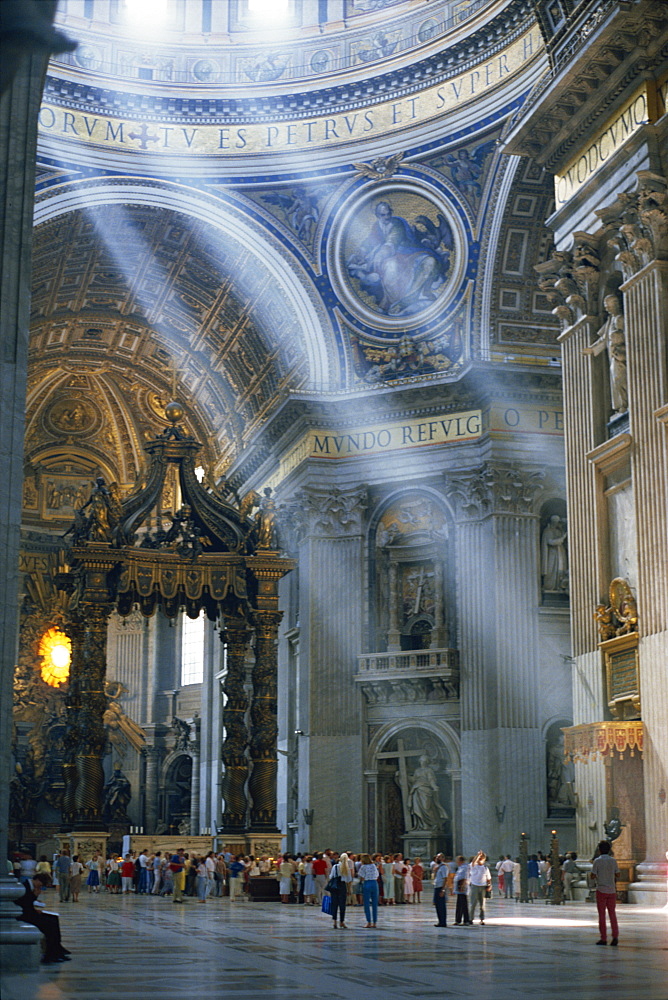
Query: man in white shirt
{"type": "Point", "coordinates": [507, 866]}
{"type": "Point", "coordinates": [440, 879]}
{"type": "Point", "coordinates": [143, 873]}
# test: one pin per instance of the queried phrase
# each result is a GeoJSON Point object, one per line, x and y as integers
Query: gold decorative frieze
{"type": "Point", "coordinates": [588, 741]}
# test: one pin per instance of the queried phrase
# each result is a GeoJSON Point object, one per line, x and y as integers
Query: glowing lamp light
{"type": "Point", "coordinates": [55, 649]}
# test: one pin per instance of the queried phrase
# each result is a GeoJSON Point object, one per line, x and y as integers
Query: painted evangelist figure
{"type": "Point", "coordinates": [399, 264]}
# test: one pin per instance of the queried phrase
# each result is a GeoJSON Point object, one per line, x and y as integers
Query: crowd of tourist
{"type": "Point", "coordinates": [326, 879]}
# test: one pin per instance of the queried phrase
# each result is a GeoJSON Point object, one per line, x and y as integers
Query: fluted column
{"type": "Point", "coordinates": [393, 639]}
{"type": "Point", "coordinates": [497, 540]}
{"type": "Point", "coordinates": [194, 748]}
{"type": "Point", "coordinates": [646, 294]}
{"type": "Point", "coordinates": [235, 636]}
{"type": "Point", "coordinates": [641, 239]}
{"type": "Point", "coordinates": [152, 756]}
{"type": "Point", "coordinates": [264, 724]}
{"type": "Point", "coordinates": [331, 595]}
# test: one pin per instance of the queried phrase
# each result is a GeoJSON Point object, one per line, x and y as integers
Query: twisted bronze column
{"type": "Point", "coordinates": [264, 723]}
{"type": "Point", "coordinates": [235, 637]}
{"type": "Point", "coordinates": [89, 667]}
{"type": "Point", "coordinates": [86, 739]}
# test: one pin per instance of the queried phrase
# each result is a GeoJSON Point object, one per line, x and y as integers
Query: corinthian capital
{"type": "Point", "coordinates": [495, 489]}
{"type": "Point", "coordinates": [637, 223]}
{"type": "Point", "coordinates": [329, 511]}
{"type": "Point", "coordinates": [570, 279]}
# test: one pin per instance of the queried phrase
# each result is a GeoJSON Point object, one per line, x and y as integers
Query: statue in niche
{"type": "Point", "coordinates": [611, 338]}
{"type": "Point", "coordinates": [560, 790]}
{"type": "Point", "coordinates": [554, 556]}
{"type": "Point", "coordinates": [117, 795]}
{"type": "Point", "coordinates": [427, 813]}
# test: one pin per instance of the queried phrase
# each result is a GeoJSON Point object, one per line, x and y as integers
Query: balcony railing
{"type": "Point", "coordinates": [428, 661]}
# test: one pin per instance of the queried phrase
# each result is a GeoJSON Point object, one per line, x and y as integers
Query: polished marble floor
{"type": "Point", "coordinates": [127, 948]}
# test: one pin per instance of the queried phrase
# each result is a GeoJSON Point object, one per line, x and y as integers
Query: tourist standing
{"type": "Point", "coordinates": [417, 875]}
{"type": "Point", "coordinates": [368, 874]}
{"type": "Point", "coordinates": [408, 881]}
{"type": "Point", "coordinates": [507, 868]}
{"type": "Point", "coordinates": [176, 866]}
{"type": "Point", "coordinates": [340, 878]}
{"type": "Point", "coordinates": [605, 872]}
{"type": "Point", "coordinates": [113, 876]}
{"type": "Point", "coordinates": [76, 869]}
{"type": "Point", "coordinates": [570, 870]}
{"type": "Point", "coordinates": [309, 881]}
{"type": "Point", "coordinates": [93, 880]}
{"type": "Point", "coordinates": [320, 875]}
{"type": "Point", "coordinates": [388, 880]}
{"type": "Point", "coordinates": [398, 873]}
{"type": "Point", "coordinates": [481, 883]}
{"type": "Point", "coordinates": [532, 877]}
{"type": "Point", "coordinates": [440, 880]}
{"type": "Point", "coordinates": [63, 865]}
{"type": "Point", "coordinates": [235, 871]}
{"type": "Point", "coordinates": [127, 874]}
{"type": "Point", "coordinates": [461, 887]}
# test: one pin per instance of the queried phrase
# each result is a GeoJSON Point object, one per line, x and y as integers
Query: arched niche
{"type": "Point", "coordinates": [411, 572]}
{"type": "Point", "coordinates": [176, 791]}
{"type": "Point", "coordinates": [402, 758]}
{"type": "Point", "coordinates": [559, 773]}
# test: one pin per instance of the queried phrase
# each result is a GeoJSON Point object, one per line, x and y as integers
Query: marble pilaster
{"type": "Point", "coordinates": [19, 106]}
{"type": "Point", "coordinates": [646, 294]}
{"type": "Point", "coordinates": [497, 540]}
{"type": "Point", "coordinates": [331, 561]}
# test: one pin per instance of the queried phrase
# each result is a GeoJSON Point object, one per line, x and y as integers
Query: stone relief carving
{"type": "Point", "coordinates": [411, 514]}
{"type": "Point", "coordinates": [322, 513]}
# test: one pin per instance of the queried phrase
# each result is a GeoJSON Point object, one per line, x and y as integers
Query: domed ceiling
{"type": "Point", "coordinates": [209, 193]}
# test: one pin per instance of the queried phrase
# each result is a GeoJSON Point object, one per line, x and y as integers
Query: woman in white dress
{"type": "Point", "coordinates": [408, 881]}
{"type": "Point", "coordinates": [309, 881]}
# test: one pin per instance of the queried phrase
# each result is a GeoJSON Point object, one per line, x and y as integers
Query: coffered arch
{"type": "Point", "coordinates": [183, 285]}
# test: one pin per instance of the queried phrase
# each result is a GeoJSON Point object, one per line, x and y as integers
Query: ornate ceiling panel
{"type": "Point", "coordinates": [151, 295]}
